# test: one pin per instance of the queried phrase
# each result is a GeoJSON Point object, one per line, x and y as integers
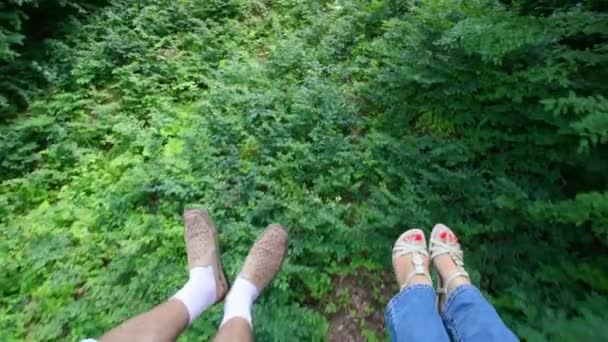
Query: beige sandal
{"type": "Point", "coordinates": [415, 245]}
{"type": "Point", "coordinates": [442, 244]}
{"type": "Point", "coordinates": [202, 247]}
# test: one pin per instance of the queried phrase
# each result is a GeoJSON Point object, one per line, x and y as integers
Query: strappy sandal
{"type": "Point", "coordinates": [442, 244]}
{"type": "Point", "coordinates": [415, 245]}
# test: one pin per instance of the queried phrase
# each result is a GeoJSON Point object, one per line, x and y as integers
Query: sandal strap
{"type": "Point", "coordinates": [438, 248]}
{"type": "Point", "coordinates": [417, 251]}
{"type": "Point", "coordinates": [451, 278]}
{"type": "Point", "coordinates": [403, 248]}
{"type": "Point", "coordinates": [411, 275]}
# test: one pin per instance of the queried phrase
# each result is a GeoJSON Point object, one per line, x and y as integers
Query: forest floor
{"type": "Point", "coordinates": [362, 316]}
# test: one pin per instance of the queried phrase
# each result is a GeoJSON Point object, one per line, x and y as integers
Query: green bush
{"type": "Point", "coordinates": [27, 28]}
{"type": "Point", "coordinates": [508, 116]}
{"type": "Point", "coordinates": [346, 122]}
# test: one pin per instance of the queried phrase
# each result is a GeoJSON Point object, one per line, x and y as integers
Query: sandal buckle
{"type": "Point", "coordinates": [418, 263]}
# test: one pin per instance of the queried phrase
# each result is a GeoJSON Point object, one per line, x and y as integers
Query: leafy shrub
{"type": "Point", "coordinates": [26, 26]}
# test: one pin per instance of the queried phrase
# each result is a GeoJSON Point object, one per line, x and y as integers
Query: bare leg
{"type": "Point", "coordinates": [206, 286]}
{"type": "Point", "coordinates": [235, 330]}
{"type": "Point", "coordinates": [163, 323]}
{"type": "Point", "coordinates": [261, 265]}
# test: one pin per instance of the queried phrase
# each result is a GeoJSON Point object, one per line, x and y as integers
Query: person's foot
{"type": "Point", "coordinates": [202, 247]}
{"type": "Point", "coordinates": [447, 258]}
{"type": "Point", "coordinates": [410, 259]}
{"type": "Point", "coordinates": [265, 257]}
{"type": "Point", "coordinates": [261, 266]}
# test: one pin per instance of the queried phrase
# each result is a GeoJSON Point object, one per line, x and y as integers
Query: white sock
{"type": "Point", "coordinates": [239, 300]}
{"type": "Point", "coordinates": [199, 292]}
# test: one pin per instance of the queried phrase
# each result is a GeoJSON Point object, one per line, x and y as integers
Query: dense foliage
{"type": "Point", "coordinates": [347, 122]}
{"type": "Point", "coordinates": [27, 28]}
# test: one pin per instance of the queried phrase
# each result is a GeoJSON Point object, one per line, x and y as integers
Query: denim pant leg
{"type": "Point", "coordinates": [470, 318]}
{"type": "Point", "coordinates": [412, 316]}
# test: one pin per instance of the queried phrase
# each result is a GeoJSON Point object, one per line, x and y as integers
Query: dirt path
{"type": "Point", "coordinates": [361, 300]}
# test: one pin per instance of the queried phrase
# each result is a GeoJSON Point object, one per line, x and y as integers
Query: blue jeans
{"type": "Point", "coordinates": [412, 316]}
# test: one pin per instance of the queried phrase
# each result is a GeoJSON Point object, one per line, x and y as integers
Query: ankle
{"type": "Point", "coordinates": [457, 282]}
{"type": "Point", "coordinates": [239, 300]}
{"type": "Point", "coordinates": [420, 280]}
{"type": "Point", "coordinates": [242, 290]}
{"type": "Point", "coordinates": [199, 292]}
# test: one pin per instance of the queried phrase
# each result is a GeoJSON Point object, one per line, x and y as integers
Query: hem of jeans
{"type": "Point", "coordinates": [409, 288]}
{"type": "Point", "coordinates": [404, 291]}
{"type": "Point", "coordinates": [454, 293]}
{"type": "Point", "coordinates": [389, 307]}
